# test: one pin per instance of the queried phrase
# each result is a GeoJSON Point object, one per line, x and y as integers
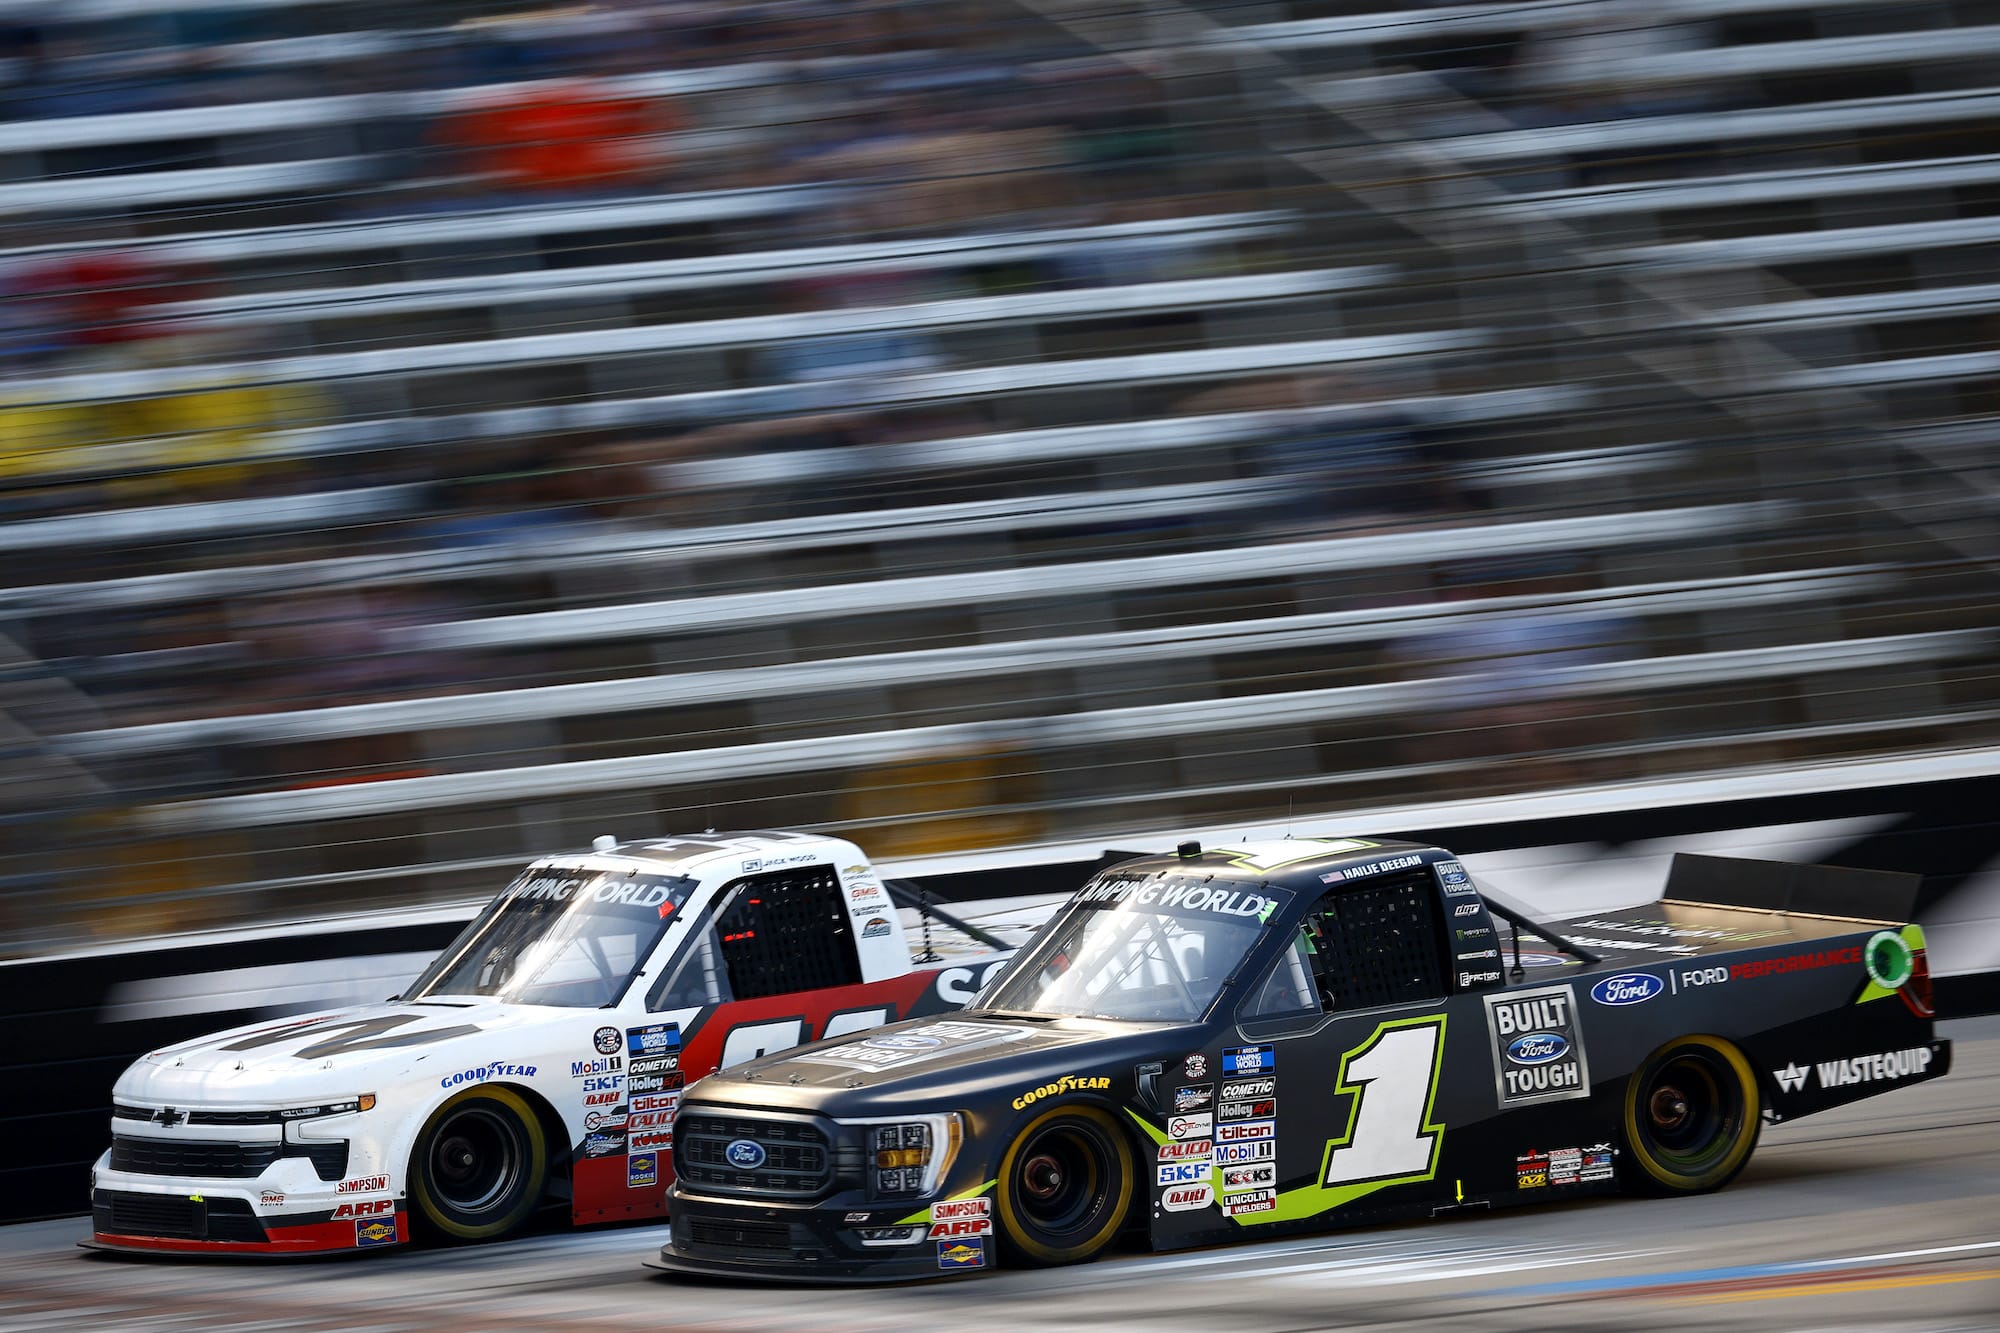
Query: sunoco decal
{"type": "Point", "coordinates": [1537, 1048]}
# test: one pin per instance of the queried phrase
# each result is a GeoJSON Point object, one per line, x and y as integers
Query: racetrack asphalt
{"type": "Point", "coordinates": [1884, 1215]}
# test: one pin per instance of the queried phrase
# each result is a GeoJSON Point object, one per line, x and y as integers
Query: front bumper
{"type": "Point", "coordinates": [147, 1215]}
{"type": "Point", "coordinates": [806, 1243]}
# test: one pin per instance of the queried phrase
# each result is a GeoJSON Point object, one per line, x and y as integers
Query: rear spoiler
{"type": "Point", "coordinates": [1779, 886]}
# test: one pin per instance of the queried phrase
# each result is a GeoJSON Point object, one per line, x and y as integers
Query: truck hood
{"type": "Point", "coordinates": [942, 1062]}
{"type": "Point", "coordinates": [334, 1053]}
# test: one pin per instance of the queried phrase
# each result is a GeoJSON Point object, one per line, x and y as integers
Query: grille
{"type": "Point", "coordinates": [212, 1160]}
{"type": "Point", "coordinates": [716, 1234]}
{"type": "Point", "coordinates": [174, 1217]}
{"type": "Point", "coordinates": [797, 1160]}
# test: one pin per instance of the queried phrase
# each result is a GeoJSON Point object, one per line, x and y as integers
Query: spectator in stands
{"type": "Point", "coordinates": [573, 138]}
{"type": "Point", "coordinates": [1506, 668]}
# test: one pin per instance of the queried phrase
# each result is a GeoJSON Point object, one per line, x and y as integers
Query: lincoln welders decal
{"type": "Point", "coordinates": [1538, 1051]}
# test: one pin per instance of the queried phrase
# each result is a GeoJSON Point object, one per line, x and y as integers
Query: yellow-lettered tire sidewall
{"type": "Point", "coordinates": [424, 1209]}
{"type": "Point", "coordinates": [1026, 1249]}
{"type": "Point", "coordinates": [1649, 1175]}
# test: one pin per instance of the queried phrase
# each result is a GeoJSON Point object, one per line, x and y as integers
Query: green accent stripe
{"type": "Point", "coordinates": [923, 1214]}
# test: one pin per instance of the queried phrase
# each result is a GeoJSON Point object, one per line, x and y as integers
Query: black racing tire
{"type": "Point", "coordinates": [1692, 1116]}
{"type": "Point", "coordinates": [1066, 1183]}
{"type": "Point", "coordinates": [479, 1167]}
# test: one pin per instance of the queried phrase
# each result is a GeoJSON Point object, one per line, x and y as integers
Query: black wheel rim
{"type": "Point", "coordinates": [1691, 1110]}
{"type": "Point", "coordinates": [1060, 1181]}
{"type": "Point", "coordinates": [476, 1160]}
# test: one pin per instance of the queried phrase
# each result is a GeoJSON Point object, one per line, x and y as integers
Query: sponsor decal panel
{"type": "Point", "coordinates": [951, 1210]}
{"type": "Point", "coordinates": [1597, 1164]}
{"type": "Point", "coordinates": [367, 1235]}
{"type": "Point", "coordinates": [270, 1199]}
{"type": "Point", "coordinates": [649, 1140]}
{"type": "Point", "coordinates": [967, 1253]}
{"type": "Point", "coordinates": [1798, 962]}
{"type": "Point", "coordinates": [1067, 1083]}
{"type": "Point", "coordinates": [497, 1069]}
{"type": "Point", "coordinates": [876, 928]}
{"type": "Point", "coordinates": [648, 1120]}
{"type": "Point", "coordinates": [1262, 1110]}
{"type": "Point", "coordinates": [600, 1099]}
{"type": "Point", "coordinates": [644, 1083]}
{"type": "Point", "coordinates": [1263, 1175]}
{"type": "Point", "coordinates": [1231, 1154]}
{"type": "Point", "coordinates": [642, 1171]}
{"type": "Point", "coordinates": [1191, 1126]}
{"type": "Point", "coordinates": [1194, 1099]}
{"type": "Point", "coordinates": [1886, 1067]}
{"type": "Point", "coordinates": [1531, 1171]}
{"type": "Point", "coordinates": [1187, 1198]}
{"type": "Point", "coordinates": [604, 1083]}
{"type": "Point", "coordinates": [1249, 1060]}
{"type": "Point", "coordinates": [664, 1101]}
{"type": "Point", "coordinates": [1195, 1066]}
{"type": "Point", "coordinates": [603, 1064]}
{"type": "Point", "coordinates": [353, 1208]}
{"type": "Point", "coordinates": [605, 1041]}
{"type": "Point", "coordinates": [653, 1039]}
{"type": "Point", "coordinates": [603, 1143]}
{"type": "Point", "coordinates": [1182, 1150]}
{"type": "Point", "coordinates": [1245, 1131]}
{"type": "Point", "coordinates": [1627, 988]}
{"type": "Point", "coordinates": [1538, 1053]}
{"type": "Point", "coordinates": [363, 1185]}
{"type": "Point", "coordinates": [1255, 1201]}
{"type": "Point", "coordinates": [1249, 1088]}
{"type": "Point", "coordinates": [1181, 1173]}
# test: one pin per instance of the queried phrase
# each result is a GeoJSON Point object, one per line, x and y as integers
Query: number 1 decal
{"type": "Point", "coordinates": [1390, 1082]}
{"type": "Point", "coordinates": [1392, 1078]}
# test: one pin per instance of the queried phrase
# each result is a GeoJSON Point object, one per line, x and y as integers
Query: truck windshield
{"type": "Point", "coordinates": [1155, 949]}
{"type": "Point", "coordinates": [558, 936]}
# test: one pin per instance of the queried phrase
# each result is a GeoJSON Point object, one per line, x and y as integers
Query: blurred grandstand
{"type": "Point", "coordinates": [440, 431]}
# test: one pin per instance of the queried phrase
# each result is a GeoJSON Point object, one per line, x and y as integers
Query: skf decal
{"type": "Point", "coordinates": [1067, 1083]}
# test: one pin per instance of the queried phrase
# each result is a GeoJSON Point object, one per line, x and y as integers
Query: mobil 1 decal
{"type": "Point", "coordinates": [1538, 1053]}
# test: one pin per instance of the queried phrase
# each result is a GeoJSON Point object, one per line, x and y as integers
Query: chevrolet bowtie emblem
{"type": "Point", "coordinates": [168, 1116]}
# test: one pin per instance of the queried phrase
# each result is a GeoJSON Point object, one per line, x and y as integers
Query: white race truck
{"type": "Point", "coordinates": [538, 1061]}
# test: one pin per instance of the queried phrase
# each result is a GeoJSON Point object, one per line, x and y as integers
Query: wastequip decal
{"type": "Point", "coordinates": [1390, 1081]}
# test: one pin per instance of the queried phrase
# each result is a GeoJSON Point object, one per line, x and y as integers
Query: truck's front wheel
{"type": "Point", "coordinates": [1692, 1115]}
{"type": "Point", "coordinates": [479, 1166]}
{"type": "Point", "coordinates": [1066, 1184]}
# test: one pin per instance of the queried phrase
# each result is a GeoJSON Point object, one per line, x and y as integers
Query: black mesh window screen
{"type": "Point", "coordinates": [1383, 948]}
{"type": "Point", "coordinates": [787, 932]}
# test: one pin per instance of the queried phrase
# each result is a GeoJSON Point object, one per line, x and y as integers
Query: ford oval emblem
{"type": "Point", "coordinates": [1627, 988]}
{"type": "Point", "coordinates": [744, 1155]}
{"type": "Point", "coordinates": [1537, 1048]}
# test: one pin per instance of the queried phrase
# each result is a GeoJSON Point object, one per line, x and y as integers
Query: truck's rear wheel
{"type": "Point", "coordinates": [479, 1166]}
{"type": "Point", "coordinates": [1066, 1184]}
{"type": "Point", "coordinates": [1692, 1115]}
